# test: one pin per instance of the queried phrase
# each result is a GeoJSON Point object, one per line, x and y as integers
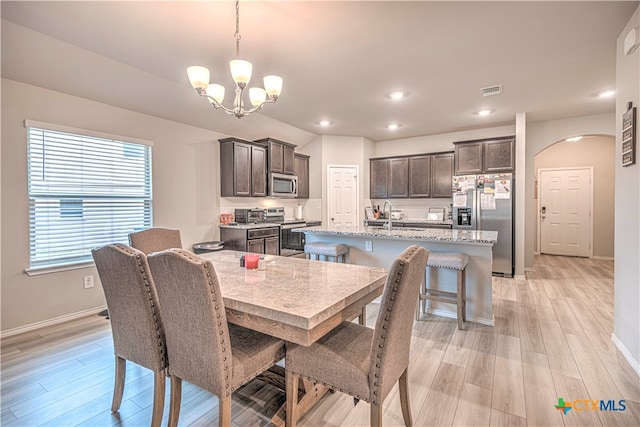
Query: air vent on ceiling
{"type": "Point", "coordinates": [491, 90]}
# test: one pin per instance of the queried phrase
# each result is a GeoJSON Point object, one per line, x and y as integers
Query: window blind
{"type": "Point", "coordinates": [85, 191]}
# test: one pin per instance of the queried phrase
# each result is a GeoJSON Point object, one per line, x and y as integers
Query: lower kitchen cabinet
{"type": "Point", "coordinates": [263, 240]}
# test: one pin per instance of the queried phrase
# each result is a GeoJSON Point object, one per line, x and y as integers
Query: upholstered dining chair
{"type": "Point", "coordinates": [363, 362]}
{"type": "Point", "coordinates": [155, 239]}
{"type": "Point", "coordinates": [136, 324]}
{"type": "Point", "coordinates": [204, 350]}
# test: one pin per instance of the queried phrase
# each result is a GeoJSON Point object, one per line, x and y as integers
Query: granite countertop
{"type": "Point", "coordinates": [413, 221]}
{"type": "Point", "coordinates": [267, 224]}
{"type": "Point", "coordinates": [250, 226]}
{"type": "Point", "coordinates": [294, 291]}
{"type": "Point", "coordinates": [478, 237]}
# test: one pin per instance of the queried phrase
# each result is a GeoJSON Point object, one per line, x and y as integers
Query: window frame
{"type": "Point", "coordinates": [66, 209]}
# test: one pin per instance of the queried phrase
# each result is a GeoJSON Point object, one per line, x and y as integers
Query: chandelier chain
{"type": "Point", "coordinates": [237, 34]}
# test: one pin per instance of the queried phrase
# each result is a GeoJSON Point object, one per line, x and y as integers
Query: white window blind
{"type": "Point", "coordinates": [84, 191]}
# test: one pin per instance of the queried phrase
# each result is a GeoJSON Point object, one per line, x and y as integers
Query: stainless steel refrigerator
{"type": "Point", "coordinates": [486, 202]}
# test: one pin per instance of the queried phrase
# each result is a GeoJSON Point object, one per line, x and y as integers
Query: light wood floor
{"type": "Point", "coordinates": [551, 340]}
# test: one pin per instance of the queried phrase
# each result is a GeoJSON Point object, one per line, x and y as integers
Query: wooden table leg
{"type": "Point", "coordinates": [308, 395]}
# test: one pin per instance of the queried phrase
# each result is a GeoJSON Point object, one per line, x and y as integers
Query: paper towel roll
{"type": "Point", "coordinates": [299, 212]}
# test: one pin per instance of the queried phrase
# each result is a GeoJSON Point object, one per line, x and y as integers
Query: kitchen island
{"type": "Point", "coordinates": [378, 247]}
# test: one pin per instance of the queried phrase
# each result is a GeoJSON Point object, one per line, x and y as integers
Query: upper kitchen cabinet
{"type": "Point", "coordinates": [468, 158]}
{"type": "Point", "coordinates": [499, 155]}
{"type": "Point", "coordinates": [441, 174]}
{"type": "Point", "coordinates": [243, 168]}
{"type": "Point", "coordinates": [301, 169]}
{"type": "Point", "coordinates": [280, 155]}
{"type": "Point", "coordinates": [485, 156]}
{"type": "Point", "coordinates": [420, 176]}
{"type": "Point", "coordinates": [398, 185]}
{"type": "Point", "coordinates": [379, 173]}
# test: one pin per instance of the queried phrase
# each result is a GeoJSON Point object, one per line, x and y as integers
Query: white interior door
{"type": "Point", "coordinates": [342, 194]}
{"type": "Point", "coordinates": [565, 212]}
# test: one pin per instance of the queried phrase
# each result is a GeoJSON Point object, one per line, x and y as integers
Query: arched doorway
{"type": "Point", "coordinates": [595, 152]}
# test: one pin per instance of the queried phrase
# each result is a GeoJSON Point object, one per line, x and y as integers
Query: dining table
{"type": "Point", "coordinates": [295, 299]}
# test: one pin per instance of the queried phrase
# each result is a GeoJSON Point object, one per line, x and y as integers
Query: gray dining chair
{"type": "Point", "coordinates": [363, 362]}
{"type": "Point", "coordinates": [136, 323]}
{"type": "Point", "coordinates": [155, 239]}
{"type": "Point", "coordinates": [204, 350]}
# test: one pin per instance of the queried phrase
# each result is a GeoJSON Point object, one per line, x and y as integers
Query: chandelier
{"type": "Point", "coordinates": [241, 73]}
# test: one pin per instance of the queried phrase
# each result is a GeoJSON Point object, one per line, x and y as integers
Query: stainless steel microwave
{"type": "Point", "coordinates": [281, 185]}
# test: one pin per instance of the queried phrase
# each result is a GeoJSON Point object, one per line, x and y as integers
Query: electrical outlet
{"type": "Point", "coordinates": [88, 282]}
{"type": "Point", "coordinates": [368, 246]}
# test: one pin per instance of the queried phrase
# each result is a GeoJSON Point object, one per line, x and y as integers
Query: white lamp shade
{"type": "Point", "coordinates": [273, 85]}
{"type": "Point", "coordinates": [198, 76]}
{"type": "Point", "coordinates": [257, 95]}
{"type": "Point", "coordinates": [216, 92]}
{"type": "Point", "coordinates": [241, 71]}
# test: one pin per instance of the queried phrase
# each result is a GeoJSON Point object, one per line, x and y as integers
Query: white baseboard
{"type": "Point", "coordinates": [51, 322]}
{"type": "Point", "coordinates": [520, 276]}
{"type": "Point", "coordinates": [635, 365]}
{"type": "Point", "coordinates": [605, 258]}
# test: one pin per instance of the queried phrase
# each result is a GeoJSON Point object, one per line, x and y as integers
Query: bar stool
{"type": "Point", "coordinates": [335, 250]}
{"type": "Point", "coordinates": [452, 261]}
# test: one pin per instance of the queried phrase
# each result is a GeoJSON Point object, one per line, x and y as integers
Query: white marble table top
{"type": "Point", "coordinates": [478, 237]}
{"type": "Point", "coordinates": [293, 294]}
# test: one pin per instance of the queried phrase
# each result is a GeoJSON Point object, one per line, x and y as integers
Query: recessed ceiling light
{"type": "Point", "coordinates": [485, 112]}
{"type": "Point", "coordinates": [574, 139]}
{"type": "Point", "coordinates": [398, 94]}
{"type": "Point", "coordinates": [325, 123]}
{"type": "Point", "coordinates": [607, 94]}
{"type": "Point", "coordinates": [393, 126]}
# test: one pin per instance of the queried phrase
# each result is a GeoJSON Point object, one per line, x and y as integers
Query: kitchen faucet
{"type": "Point", "coordinates": [384, 207]}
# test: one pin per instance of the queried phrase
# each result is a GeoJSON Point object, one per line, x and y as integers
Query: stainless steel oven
{"type": "Point", "coordinates": [291, 243]}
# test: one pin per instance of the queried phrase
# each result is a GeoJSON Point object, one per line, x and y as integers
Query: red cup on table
{"type": "Point", "coordinates": [251, 261]}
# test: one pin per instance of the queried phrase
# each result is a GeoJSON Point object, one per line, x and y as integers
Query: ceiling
{"type": "Point", "coordinates": [338, 59]}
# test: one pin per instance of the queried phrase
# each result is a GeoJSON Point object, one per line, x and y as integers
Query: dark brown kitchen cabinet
{"type": "Point", "coordinates": [441, 174]}
{"type": "Point", "coordinates": [499, 155]}
{"type": "Point", "coordinates": [301, 169]}
{"type": "Point", "coordinates": [420, 176]}
{"type": "Point", "coordinates": [398, 186]}
{"type": "Point", "coordinates": [280, 155]}
{"type": "Point", "coordinates": [485, 156]}
{"type": "Point", "coordinates": [263, 240]}
{"type": "Point", "coordinates": [468, 158]}
{"type": "Point", "coordinates": [242, 169]}
{"type": "Point", "coordinates": [378, 177]}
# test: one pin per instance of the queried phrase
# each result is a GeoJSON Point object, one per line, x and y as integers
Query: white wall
{"type": "Point", "coordinates": [435, 143]}
{"type": "Point", "coordinates": [186, 193]}
{"type": "Point", "coordinates": [598, 152]}
{"type": "Point", "coordinates": [541, 135]}
{"type": "Point", "coordinates": [626, 316]}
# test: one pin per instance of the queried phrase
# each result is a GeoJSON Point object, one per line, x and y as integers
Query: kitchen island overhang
{"type": "Point", "coordinates": [386, 245]}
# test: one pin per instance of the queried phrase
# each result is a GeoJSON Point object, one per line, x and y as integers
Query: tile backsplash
{"type": "Point", "coordinates": [311, 208]}
{"type": "Point", "coordinates": [415, 208]}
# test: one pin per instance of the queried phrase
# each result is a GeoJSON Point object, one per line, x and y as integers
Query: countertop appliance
{"type": "Point", "coordinates": [249, 216]}
{"type": "Point", "coordinates": [281, 185]}
{"type": "Point", "coordinates": [486, 202]}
